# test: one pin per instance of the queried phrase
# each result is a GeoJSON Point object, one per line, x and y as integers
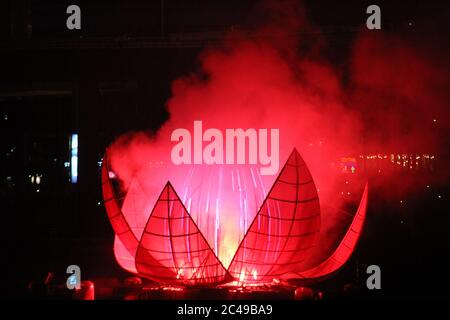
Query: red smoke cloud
{"type": "Point", "coordinates": [400, 88]}
{"type": "Point", "coordinates": [384, 100]}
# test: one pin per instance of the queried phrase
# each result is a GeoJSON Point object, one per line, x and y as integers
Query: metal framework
{"type": "Point", "coordinates": [283, 232]}
{"type": "Point", "coordinates": [172, 250]}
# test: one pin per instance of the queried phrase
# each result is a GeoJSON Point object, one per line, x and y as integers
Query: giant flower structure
{"type": "Point", "coordinates": [171, 248]}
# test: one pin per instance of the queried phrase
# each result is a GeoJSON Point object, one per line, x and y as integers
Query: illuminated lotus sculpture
{"type": "Point", "coordinates": [171, 249]}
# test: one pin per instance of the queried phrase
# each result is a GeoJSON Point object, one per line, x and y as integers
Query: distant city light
{"type": "Point", "coordinates": [74, 158]}
{"type": "Point", "coordinates": [381, 163]}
